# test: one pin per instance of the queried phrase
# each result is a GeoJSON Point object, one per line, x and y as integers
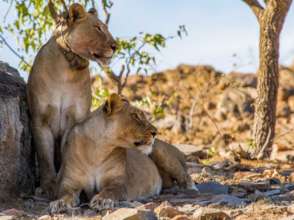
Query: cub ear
{"type": "Point", "coordinates": [113, 104]}
{"type": "Point", "coordinates": [76, 11]}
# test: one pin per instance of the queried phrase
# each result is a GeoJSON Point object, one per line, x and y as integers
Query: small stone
{"type": "Point", "coordinates": [166, 210]}
{"type": "Point", "coordinates": [238, 191]}
{"type": "Point", "coordinates": [262, 185]}
{"type": "Point", "coordinates": [130, 214]}
{"type": "Point", "coordinates": [188, 208]}
{"type": "Point", "coordinates": [291, 209]}
{"type": "Point", "coordinates": [188, 149]}
{"type": "Point", "coordinates": [209, 214]}
{"type": "Point", "coordinates": [228, 200]}
{"type": "Point", "coordinates": [14, 212]}
{"type": "Point", "coordinates": [6, 217]}
{"type": "Point", "coordinates": [89, 212]}
{"type": "Point", "coordinates": [127, 204]}
{"type": "Point", "coordinates": [257, 195]}
{"type": "Point", "coordinates": [181, 217]}
{"type": "Point", "coordinates": [289, 186]}
{"type": "Point", "coordinates": [45, 217]}
{"type": "Point", "coordinates": [272, 192]}
{"type": "Point", "coordinates": [149, 206]}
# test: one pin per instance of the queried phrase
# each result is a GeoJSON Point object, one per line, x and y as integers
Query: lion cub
{"type": "Point", "coordinates": [102, 154]}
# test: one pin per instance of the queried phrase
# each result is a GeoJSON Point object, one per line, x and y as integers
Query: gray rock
{"type": "Point", "coordinates": [251, 186]}
{"type": "Point", "coordinates": [272, 192]}
{"type": "Point", "coordinates": [289, 186]}
{"type": "Point", "coordinates": [9, 70]}
{"type": "Point", "coordinates": [212, 188]}
{"type": "Point", "coordinates": [16, 153]}
{"type": "Point", "coordinates": [229, 200]}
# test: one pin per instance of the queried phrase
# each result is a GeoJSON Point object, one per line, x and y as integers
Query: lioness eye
{"type": "Point", "coordinates": [136, 117]}
{"type": "Point", "coordinates": [99, 28]}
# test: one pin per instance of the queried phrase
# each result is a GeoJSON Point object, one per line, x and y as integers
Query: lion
{"type": "Point", "coordinates": [105, 154]}
{"type": "Point", "coordinates": [59, 84]}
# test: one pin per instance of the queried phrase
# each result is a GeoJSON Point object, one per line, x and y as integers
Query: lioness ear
{"type": "Point", "coordinates": [93, 11]}
{"type": "Point", "coordinates": [113, 104]}
{"type": "Point", "coordinates": [76, 11]}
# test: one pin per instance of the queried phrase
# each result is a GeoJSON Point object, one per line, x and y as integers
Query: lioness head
{"type": "Point", "coordinates": [127, 125]}
{"type": "Point", "coordinates": [84, 34]}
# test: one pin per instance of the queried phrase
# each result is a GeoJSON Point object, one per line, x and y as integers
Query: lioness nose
{"type": "Point", "coordinates": [153, 133]}
{"type": "Point", "coordinates": [113, 46]}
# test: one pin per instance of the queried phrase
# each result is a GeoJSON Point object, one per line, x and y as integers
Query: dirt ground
{"type": "Point", "coordinates": [227, 190]}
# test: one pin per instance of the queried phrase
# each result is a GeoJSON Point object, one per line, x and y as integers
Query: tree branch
{"type": "Point", "coordinates": [8, 10]}
{"type": "Point", "coordinates": [255, 6]}
{"type": "Point", "coordinates": [93, 4]}
{"type": "Point", "coordinates": [106, 12]}
{"type": "Point", "coordinates": [64, 6]}
{"type": "Point", "coordinates": [13, 50]}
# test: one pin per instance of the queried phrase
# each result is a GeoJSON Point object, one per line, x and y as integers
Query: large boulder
{"type": "Point", "coordinates": [16, 152]}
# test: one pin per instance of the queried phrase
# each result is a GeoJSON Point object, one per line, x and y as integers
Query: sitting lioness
{"type": "Point", "coordinates": [59, 85]}
{"type": "Point", "coordinates": [102, 157]}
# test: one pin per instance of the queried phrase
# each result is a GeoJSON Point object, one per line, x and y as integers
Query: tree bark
{"type": "Point", "coordinates": [16, 153]}
{"type": "Point", "coordinates": [271, 20]}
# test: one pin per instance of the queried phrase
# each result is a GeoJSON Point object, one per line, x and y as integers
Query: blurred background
{"type": "Point", "coordinates": [220, 33]}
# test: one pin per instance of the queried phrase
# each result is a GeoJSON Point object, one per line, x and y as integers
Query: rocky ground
{"type": "Point", "coordinates": [209, 116]}
{"type": "Point", "coordinates": [227, 190]}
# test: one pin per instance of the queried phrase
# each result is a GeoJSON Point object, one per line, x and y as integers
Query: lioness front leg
{"type": "Point", "coordinates": [44, 142]}
{"type": "Point", "coordinates": [109, 196]}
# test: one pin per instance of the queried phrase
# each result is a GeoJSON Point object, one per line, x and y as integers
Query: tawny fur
{"type": "Point", "coordinates": [102, 158]}
{"type": "Point", "coordinates": [171, 163]}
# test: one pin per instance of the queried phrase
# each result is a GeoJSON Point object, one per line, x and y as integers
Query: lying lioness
{"type": "Point", "coordinates": [102, 154]}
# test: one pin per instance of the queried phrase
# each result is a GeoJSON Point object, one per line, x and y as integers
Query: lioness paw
{"type": "Point", "coordinates": [65, 204]}
{"type": "Point", "coordinates": [58, 206]}
{"type": "Point", "coordinates": [98, 203]}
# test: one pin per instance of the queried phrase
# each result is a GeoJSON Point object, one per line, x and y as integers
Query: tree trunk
{"type": "Point", "coordinates": [271, 20]}
{"type": "Point", "coordinates": [16, 153]}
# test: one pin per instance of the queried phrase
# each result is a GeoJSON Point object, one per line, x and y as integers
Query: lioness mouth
{"type": "Point", "coordinates": [97, 56]}
{"type": "Point", "coordinates": [139, 143]}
